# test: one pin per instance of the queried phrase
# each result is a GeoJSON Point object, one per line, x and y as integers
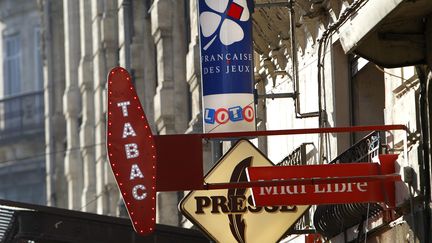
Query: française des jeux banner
{"type": "Point", "coordinates": [227, 65]}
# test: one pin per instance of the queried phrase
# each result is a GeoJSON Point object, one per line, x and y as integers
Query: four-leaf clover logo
{"type": "Point", "coordinates": [224, 18]}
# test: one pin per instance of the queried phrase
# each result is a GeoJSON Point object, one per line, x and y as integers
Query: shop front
{"type": "Point", "coordinates": [20, 222]}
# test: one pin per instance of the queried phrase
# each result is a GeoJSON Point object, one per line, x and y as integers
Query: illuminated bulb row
{"type": "Point", "coordinates": [135, 193]}
{"type": "Point", "coordinates": [153, 167]}
{"type": "Point", "coordinates": [131, 150]}
{"type": "Point", "coordinates": [124, 105]}
{"type": "Point", "coordinates": [128, 130]}
{"type": "Point", "coordinates": [135, 172]}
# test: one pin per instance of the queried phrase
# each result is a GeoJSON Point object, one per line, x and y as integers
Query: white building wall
{"type": "Point", "coordinates": [402, 104]}
{"type": "Point", "coordinates": [86, 133]}
{"type": "Point", "coordinates": [281, 113]}
{"type": "Point", "coordinates": [170, 101]}
{"type": "Point", "coordinates": [105, 57]}
{"type": "Point", "coordinates": [54, 84]}
{"type": "Point", "coordinates": [72, 104]}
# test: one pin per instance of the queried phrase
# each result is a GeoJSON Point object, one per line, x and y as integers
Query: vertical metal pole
{"type": "Point", "coordinates": [127, 16]}
{"type": "Point", "coordinates": [428, 213]}
{"type": "Point", "coordinates": [425, 166]}
{"type": "Point", "coordinates": [295, 71]}
{"type": "Point", "coordinates": [294, 55]}
{"type": "Point", "coordinates": [216, 148]}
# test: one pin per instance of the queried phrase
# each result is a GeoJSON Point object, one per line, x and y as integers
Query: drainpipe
{"type": "Point", "coordinates": [425, 139]}
{"type": "Point", "coordinates": [295, 78]}
{"type": "Point", "coordinates": [127, 32]}
{"type": "Point", "coordinates": [428, 227]}
{"type": "Point", "coordinates": [428, 214]}
{"type": "Point", "coordinates": [332, 28]}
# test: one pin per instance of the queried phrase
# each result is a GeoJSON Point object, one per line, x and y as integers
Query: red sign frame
{"type": "Point", "coordinates": [131, 151]}
{"type": "Point", "coordinates": [338, 188]}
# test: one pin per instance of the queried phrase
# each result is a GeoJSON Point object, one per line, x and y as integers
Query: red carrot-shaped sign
{"type": "Point", "coordinates": [131, 150]}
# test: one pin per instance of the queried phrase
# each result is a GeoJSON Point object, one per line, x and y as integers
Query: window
{"type": "Point", "coordinates": [12, 65]}
{"type": "Point", "coordinates": [14, 187]}
{"type": "Point", "coordinates": [37, 108]}
{"type": "Point", "coordinates": [12, 80]}
{"type": "Point", "coordinates": [38, 60]}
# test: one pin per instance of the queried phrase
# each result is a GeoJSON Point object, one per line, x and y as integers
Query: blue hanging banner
{"type": "Point", "coordinates": [227, 65]}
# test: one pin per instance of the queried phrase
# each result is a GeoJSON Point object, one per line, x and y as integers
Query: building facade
{"type": "Point", "coordinates": [83, 41]}
{"type": "Point", "coordinates": [318, 63]}
{"type": "Point", "coordinates": [21, 104]}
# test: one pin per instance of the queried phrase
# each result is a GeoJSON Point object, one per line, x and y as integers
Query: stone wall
{"type": "Point", "coordinates": [149, 39]}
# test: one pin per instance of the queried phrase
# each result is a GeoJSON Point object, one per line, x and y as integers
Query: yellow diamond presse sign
{"type": "Point", "coordinates": [228, 215]}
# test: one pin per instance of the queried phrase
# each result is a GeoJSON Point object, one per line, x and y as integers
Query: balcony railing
{"type": "Point", "coordinates": [299, 156]}
{"type": "Point", "coordinates": [365, 150]}
{"type": "Point", "coordinates": [296, 157]}
{"type": "Point", "coordinates": [330, 220]}
{"type": "Point", "coordinates": [20, 114]}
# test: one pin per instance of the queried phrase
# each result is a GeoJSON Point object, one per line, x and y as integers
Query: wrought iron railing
{"type": "Point", "coordinates": [298, 157]}
{"type": "Point", "coordinates": [330, 220]}
{"type": "Point", "coordinates": [21, 113]}
{"type": "Point", "coordinates": [365, 150]}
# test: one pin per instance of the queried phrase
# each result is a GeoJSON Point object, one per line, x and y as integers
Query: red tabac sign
{"type": "Point", "coordinates": [131, 150]}
{"type": "Point", "coordinates": [326, 184]}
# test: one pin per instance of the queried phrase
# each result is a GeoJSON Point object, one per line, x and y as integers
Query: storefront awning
{"type": "Point", "coordinates": [22, 222]}
{"type": "Point", "coordinates": [390, 33]}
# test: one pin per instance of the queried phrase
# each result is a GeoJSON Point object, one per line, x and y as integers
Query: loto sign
{"type": "Point", "coordinates": [227, 65]}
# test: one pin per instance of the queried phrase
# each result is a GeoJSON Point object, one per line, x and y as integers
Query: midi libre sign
{"type": "Point", "coordinates": [346, 187]}
{"type": "Point", "coordinates": [228, 215]}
